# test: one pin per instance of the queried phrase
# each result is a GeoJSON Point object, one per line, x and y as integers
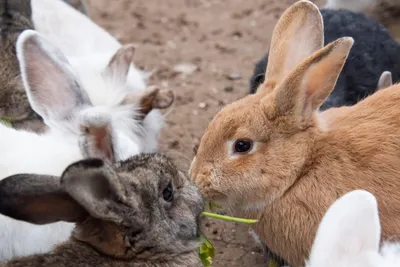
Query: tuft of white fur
{"type": "Point", "coordinates": [87, 49]}
{"type": "Point", "coordinates": [349, 235]}
{"type": "Point", "coordinates": [353, 5]}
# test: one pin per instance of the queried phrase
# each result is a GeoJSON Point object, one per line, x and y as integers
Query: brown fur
{"type": "Point", "coordinates": [301, 162]}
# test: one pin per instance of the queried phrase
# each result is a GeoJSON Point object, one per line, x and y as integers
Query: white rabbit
{"type": "Point", "coordinates": [118, 128]}
{"type": "Point", "coordinates": [349, 235]}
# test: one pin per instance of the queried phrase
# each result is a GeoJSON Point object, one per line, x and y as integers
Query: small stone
{"type": "Point", "coordinates": [202, 105]}
{"type": "Point", "coordinates": [234, 76]}
{"type": "Point", "coordinates": [185, 68]}
{"type": "Point", "coordinates": [228, 89]}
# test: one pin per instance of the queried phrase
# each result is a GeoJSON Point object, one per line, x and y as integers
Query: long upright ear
{"type": "Point", "coordinates": [349, 228]}
{"type": "Point", "coordinates": [385, 80]}
{"type": "Point", "coordinates": [37, 199]}
{"type": "Point", "coordinates": [119, 64]}
{"type": "Point", "coordinates": [96, 187]}
{"type": "Point", "coordinates": [51, 85]}
{"type": "Point", "coordinates": [298, 33]}
{"type": "Point", "coordinates": [304, 90]}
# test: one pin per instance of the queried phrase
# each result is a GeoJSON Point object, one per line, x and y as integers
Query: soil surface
{"type": "Point", "coordinates": [204, 50]}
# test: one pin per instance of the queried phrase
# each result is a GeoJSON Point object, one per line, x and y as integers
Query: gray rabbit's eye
{"type": "Point", "coordinates": [168, 193]}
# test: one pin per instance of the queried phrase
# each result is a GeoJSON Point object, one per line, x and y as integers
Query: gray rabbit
{"type": "Point", "coordinates": [15, 17]}
{"type": "Point", "coordinates": [138, 212]}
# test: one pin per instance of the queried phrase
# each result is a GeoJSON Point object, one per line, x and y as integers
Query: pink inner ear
{"type": "Point", "coordinates": [101, 141]}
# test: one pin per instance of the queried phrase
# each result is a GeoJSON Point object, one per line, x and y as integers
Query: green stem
{"type": "Point", "coordinates": [228, 218]}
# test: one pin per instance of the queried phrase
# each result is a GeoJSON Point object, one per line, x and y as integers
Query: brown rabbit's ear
{"type": "Point", "coordinates": [95, 186]}
{"type": "Point", "coordinates": [304, 90]}
{"type": "Point", "coordinates": [385, 80]}
{"type": "Point", "coordinates": [298, 34]}
{"type": "Point", "coordinates": [37, 199]}
{"type": "Point", "coordinates": [119, 64]}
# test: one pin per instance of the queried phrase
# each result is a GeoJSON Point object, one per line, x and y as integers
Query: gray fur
{"type": "Point", "coordinates": [15, 17]}
{"type": "Point", "coordinates": [121, 216]}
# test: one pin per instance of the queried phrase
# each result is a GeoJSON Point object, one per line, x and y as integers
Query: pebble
{"type": "Point", "coordinates": [202, 105]}
{"type": "Point", "coordinates": [228, 89]}
{"type": "Point", "coordinates": [185, 68]}
{"type": "Point", "coordinates": [234, 76]}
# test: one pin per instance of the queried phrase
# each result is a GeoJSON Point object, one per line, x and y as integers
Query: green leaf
{"type": "Point", "coordinates": [206, 252]}
{"type": "Point", "coordinates": [273, 263]}
{"type": "Point", "coordinates": [228, 218]}
{"type": "Point", "coordinates": [6, 122]}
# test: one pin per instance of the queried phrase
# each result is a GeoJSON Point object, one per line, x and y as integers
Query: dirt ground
{"type": "Point", "coordinates": [218, 43]}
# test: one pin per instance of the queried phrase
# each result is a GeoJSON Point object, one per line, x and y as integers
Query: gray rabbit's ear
{"type": "Point", "coordinates": [385, 80]}
{"type": "Point", "coordinates": [95, 186]}
{"type": "Point", "coordinates": [50, 83]}
{"type": "Point", "coordinates": [119, 65]}
{"type": "Point", "coordinates": [38, 199]}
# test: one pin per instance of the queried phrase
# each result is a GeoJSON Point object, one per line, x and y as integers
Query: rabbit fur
{"type": "Point", "coordinates": [374, 51]}
{"type": "Point", "coordinates": [271, 156]}
{"type": "Point", "coordinates": [141, 211]}
{"type": "Point", "coordinates": [15, 17]}
{"type": "Point", "coordinates": [349, 235]}
{"type": "Point", "coordinates": [77, 126]}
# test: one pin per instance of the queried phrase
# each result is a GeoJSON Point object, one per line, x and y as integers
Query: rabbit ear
{"type": "Point", "coordinates": [385, 80]}
{"type": "Point", "coordinates": [153, 98]}
{"type": "Point", "coordinates": [298, 34]}
{"type": "Point", "coordinates": [95, 186]}
{"type": "Point", "coordinates": [304, 90]}
{"type": "Point", "coordinates": [96, 134]}
{"type": "Point", "coordinates": [37, 199]}
{"type": "Point", "coordinates": [118, 67]}
{"type": "Point", "coordinates": [349, 228]}
{"type": "Point", "coordinates": [52, 88]}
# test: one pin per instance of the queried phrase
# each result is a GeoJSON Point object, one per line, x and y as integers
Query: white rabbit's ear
{"type": "Point", "coordinates": [385, 80]}
{"type": "Point", "coordinates": [118, 67]}
{"type": "Point", "coordinates": [349, 228]}
{"type": "Point", "coordinates": [96, 139]}
{"type": "Point", "coordinates": [51, 85]}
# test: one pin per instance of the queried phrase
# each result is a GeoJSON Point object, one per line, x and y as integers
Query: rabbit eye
{"type": "Point", "coordinates": [243, 146]}
{"type": "Point", "coordinates": [168, 193]}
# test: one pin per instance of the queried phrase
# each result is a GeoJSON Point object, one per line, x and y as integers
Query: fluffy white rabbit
{"type": "Point", "coordinates": [115, 128]}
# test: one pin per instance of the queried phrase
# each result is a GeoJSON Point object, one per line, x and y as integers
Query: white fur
{"type": "Point", "coordinates": [353, 5]}
{"type": "Point", "coordinates": [88, 49]}
{"type": "Point", "coordinates": [349, 235]}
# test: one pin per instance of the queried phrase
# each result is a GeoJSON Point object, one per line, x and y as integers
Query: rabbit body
{"type": "Point", "coordinates": [139, 212]}
{"type": "Point", "coordinates": [15, 17]}
{"type": "Point", "coordinates": [374, 52]}
{"type": "Point", "coordinates": [272, 156]}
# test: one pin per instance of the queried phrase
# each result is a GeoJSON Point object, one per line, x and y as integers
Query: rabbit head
{"type": "Point", "coordinates": [141, 208]}
{"type": "Point", "coordinates": [60, 97]}
{"type": "Point", "coordinates": [349, 235]}
{"type": "Point", "coordinates": [255, 147]}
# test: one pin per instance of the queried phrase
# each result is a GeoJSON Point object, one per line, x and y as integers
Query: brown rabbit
{"type": "Point", "coordinates": [271, 156]}
{"type": "Point", "coordinates": [15, 17]}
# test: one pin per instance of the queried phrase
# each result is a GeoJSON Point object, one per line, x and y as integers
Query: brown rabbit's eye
{"type": "Point", "coordinates": [243, 146]}
{"type": "Point", "coordinates": [168, 193]}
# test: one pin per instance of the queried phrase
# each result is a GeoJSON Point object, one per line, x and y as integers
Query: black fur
{"type": "Point", "coordinates": [374, 52]}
